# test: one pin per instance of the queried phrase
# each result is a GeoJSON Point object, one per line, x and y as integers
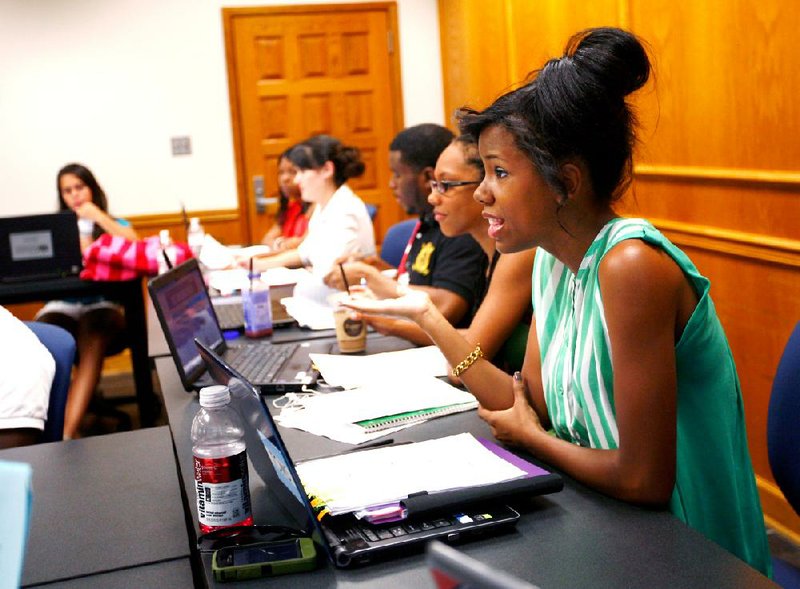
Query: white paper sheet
{"type": "Point", "coordinates": [352, 371]}
{"type": "Point", "coordinates": [356, 480]}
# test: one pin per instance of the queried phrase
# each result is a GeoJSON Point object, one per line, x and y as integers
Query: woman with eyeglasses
{"type": "Point", "coordinates": [501, 316]}
{"type": "Point", "coordinates": [627, 361]}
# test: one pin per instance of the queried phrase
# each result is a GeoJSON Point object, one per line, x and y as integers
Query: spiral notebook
{"type": "Point", "coordinates": [413, 417]}
{"type": "Point", "coordinates": [372, 410]}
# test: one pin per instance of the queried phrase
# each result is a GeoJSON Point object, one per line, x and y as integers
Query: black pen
{"type": "Point", "coordinates": [375, 444]}
{"type": "Point", "coordinates": [358, 448]}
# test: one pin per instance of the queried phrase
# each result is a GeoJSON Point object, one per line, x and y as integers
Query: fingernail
{"type": "Point", "coordinates": [518, 376]}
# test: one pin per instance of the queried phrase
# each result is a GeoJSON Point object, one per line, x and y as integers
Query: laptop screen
{"type": "Point", "coordinates": [39, 246]}
{"type": "Point", "coordinates": [266, 449]}
{"type": "Point", "coordinates": [186, 313]}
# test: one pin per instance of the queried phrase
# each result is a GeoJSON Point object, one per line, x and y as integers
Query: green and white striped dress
{"type": "Point", "coordinates": [715, 490]}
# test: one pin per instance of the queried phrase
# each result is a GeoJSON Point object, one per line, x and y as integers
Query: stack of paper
{"type": "Point", "coordinates": [281, 276]}
{"type": "Point", "coordinates": [216, 256]}
{"type": "Point", "coordinates": [353, 371]}
{"type": "Point", "coordinates": [346, 416]}
{"type": "Point", "coordinates": [309, 304]}
{"type": "Point", "coordinates": [359, 480]}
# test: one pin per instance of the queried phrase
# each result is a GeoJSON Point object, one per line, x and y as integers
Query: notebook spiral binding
{"type": "Point", "coordinates": [412, 417]}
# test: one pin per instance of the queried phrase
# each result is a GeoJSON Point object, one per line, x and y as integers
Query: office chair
{"type": "Point", "coordinates": [61, 345]}
{"type": "Point", "coordinates": [395, 241]}
{"type": "Point", "coordinates": [372, 210]}
{"type": "Point", "coordinates": [783, 440]}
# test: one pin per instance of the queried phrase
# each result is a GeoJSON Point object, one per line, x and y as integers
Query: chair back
{"type": "Point", "coordinates": [783, 422]}
{"type": "Point", "coordinates": [395, 241]}
{"type": "Point", "coordinates": [61, 345]}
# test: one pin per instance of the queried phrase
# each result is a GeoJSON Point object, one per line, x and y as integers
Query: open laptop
{"type": "Point", "coordinates": [346, 540]}
{"type": "Point", "coordinates": [39, 247]}
{"type": "Point", "coordinates": [452, 569]}
{"type": "Point", "coordinates": [185, 312]}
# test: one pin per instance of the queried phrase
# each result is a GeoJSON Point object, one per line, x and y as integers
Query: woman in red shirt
{"type": "Point", "coordinates": [291, 222]}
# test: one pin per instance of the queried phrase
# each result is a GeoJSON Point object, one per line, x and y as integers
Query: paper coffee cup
{"type": "Point", "coordinates": [351, 334]}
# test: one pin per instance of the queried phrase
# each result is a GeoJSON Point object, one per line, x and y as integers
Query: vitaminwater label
{"type": "Point", "coordinates": [223, 491]}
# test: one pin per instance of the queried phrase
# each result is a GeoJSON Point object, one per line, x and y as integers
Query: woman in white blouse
{"type": "Point", "coordinates": [340, 225]}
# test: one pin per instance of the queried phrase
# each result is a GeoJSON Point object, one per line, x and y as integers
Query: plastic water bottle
{"type": "Point", "coordinates": [195, 236]}
{"type": "Point", "coordinates": [167, 252]}
{"type": "Point", "coordinates": [220, 463]}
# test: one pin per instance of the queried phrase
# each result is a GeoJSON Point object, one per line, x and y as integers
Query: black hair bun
{"type": "Point", "coordinates": [614, 58]}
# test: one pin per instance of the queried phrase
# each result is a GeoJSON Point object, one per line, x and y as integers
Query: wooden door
{"type": "Point", "coordinates": [296, 71]}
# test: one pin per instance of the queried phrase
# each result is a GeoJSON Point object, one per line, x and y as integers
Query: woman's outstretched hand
{"type": "Point", "coordinates": [409, 306]}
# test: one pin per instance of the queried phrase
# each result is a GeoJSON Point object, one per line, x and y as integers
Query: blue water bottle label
{"type": "Point", "coordinates": [257, 311]}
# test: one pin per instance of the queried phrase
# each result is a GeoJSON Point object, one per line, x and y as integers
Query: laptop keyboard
{"type": "Point", "coordinates": [375, 533]}
{"type": "Point", "coordinates": [260, 364]}
{"type": "Point", "coordinates": [229, 315]}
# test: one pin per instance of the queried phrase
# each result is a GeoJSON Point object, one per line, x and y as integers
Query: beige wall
{"type": "Point", "coordinates": [108, 83]}
{"type": "Point", "coordinates": [719, 166]}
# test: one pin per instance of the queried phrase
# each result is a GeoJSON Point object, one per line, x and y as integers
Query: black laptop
{"type": "Point", "coordinates": [185, 312]}
{"type": "Point", "coordinates": [39, 247]}
{"type": "Point", "coordinates": [347, 540]}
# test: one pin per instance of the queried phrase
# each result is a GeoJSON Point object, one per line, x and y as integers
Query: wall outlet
{"type": "Point", "coordinates": [182, 145]}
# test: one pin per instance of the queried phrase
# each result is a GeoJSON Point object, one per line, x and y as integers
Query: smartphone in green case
{"type": "Point", "coordinates": [264, 559]}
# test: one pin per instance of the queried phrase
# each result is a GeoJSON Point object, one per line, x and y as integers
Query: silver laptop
{"type": "Point", "coordinates": [452, 569]}
{"type": "Point", "coordinates": [39, 247]}
{"type": "Point", "coordinates": [346, 540]}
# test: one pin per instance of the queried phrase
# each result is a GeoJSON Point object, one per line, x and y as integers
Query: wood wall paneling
{"type": "Point", "coordinates": [718, 164]}
{"type": "Point", "coordinates": [474, 53]}
{"type": "Point", "coordinates": [540, 30]}
{"type": "Point", "coordinates": [727, 78]}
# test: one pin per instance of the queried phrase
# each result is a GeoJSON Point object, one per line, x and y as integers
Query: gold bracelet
{"type": "Point", "coordinates": [462, 366]}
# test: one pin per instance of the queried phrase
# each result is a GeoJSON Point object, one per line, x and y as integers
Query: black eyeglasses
{"type": "Point", "coordinates": [241, 535]}
{"type": "Point", "coordinates": [442, 186]}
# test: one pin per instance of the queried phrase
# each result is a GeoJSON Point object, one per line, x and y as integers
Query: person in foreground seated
{"type": "Point", "coordinates": [291, 222]}
{"type": "Point", "coordinates": [96, 324]}
{"type": "Point", "coordinates": [627, 360]}
{"type": "Point", "coordinates": [502, 314]}
{"type": "Point", "coordinates": [449, 269]}
{"type": "Point", "coordinates": [26, 375]}
{"type": "Point", "coordinates": [340, 224]}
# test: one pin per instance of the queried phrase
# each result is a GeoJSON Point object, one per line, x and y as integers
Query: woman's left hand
{"type": "Point", "coordinates": [515, 425]}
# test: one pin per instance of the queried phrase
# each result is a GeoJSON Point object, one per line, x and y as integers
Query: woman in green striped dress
{"type": "Point", "coordinates": [627, 362]}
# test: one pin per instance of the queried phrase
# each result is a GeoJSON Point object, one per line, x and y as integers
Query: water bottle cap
{"type": "Point", "coordinates": [194, 223]}
{"type": "Point", "coordinates": [214, 396]}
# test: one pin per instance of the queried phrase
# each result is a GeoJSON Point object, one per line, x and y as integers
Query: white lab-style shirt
{"type": "Point", "coordinates": [26, 375]}
{"type": "Point", "coordinates": [342, 227]}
